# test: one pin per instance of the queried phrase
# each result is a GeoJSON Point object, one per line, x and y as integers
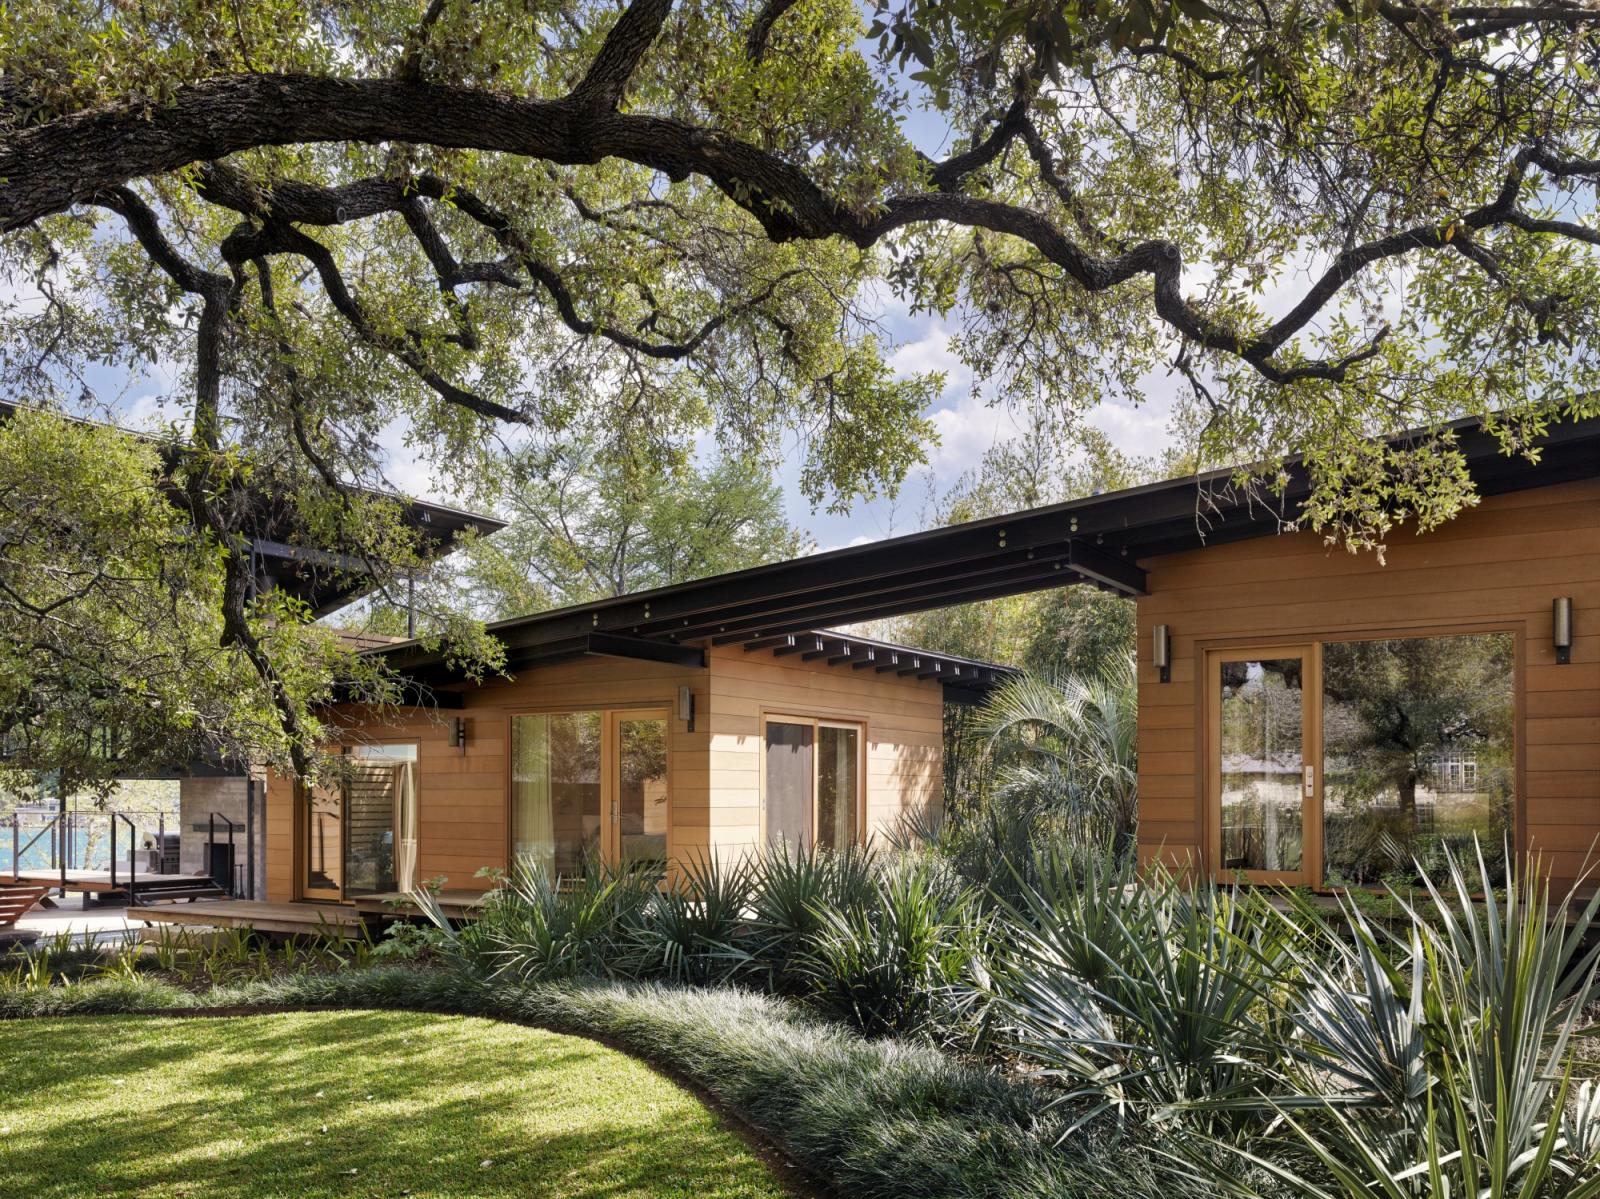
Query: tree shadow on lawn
{"type": "Point", "coordinates": [350, 1104]}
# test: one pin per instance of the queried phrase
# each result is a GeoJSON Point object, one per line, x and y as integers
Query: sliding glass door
{"type": "Point", "coordinates": [589, 787]}
{"type": "Point", "coordinates": [1361, 762]}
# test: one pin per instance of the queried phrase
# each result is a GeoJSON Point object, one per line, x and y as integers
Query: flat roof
{"type": "Point", "coordinates": [1098, 540]}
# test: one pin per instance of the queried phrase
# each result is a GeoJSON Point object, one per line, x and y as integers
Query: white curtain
{"type": "Point", "coordinates": [533, 837]}
{"type": "Point", "coordinates": [405, 811]}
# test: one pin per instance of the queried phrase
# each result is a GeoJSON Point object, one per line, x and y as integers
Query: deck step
{"type": "Point", "coordinates": [175, 889]}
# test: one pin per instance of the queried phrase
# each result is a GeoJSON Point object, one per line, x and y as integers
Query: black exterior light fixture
{"type": "Point", "coordinates": [1561, 628]}
{"type": "Point", "coordinates": [1161, 651]}
{"type": "Point", "coordinates": [458, 734]}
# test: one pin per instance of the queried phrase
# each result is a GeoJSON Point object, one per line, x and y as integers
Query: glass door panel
{"type": "Point", "coordinates": [379, 853]}
{"type": "Point", "coordinates": [641, 811]}
{"type": "Point", "coordinates": [323, 842]}
{"type": "Point", "coordinates": [1259, 782]}
{"type": "Point", "coordinates": [838, 785]}
{"type": "Point", "coordinates": [787, 800]}
{"type": "Point", "coordinates": [556, 790]}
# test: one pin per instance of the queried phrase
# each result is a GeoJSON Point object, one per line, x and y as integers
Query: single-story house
{"type": "Point", "coordinates": [1306, 715]}
{"type": "Point", "coordinates": [624, 750]}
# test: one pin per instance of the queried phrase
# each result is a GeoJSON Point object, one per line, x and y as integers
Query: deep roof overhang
{"type": "Point", "coordinates": [322, 579]}
{"type": "Point", "coordinates": [1099, 540]}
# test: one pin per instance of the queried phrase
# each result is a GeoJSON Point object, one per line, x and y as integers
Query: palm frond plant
{"type": "Point", "coordinates": [1069, 746]}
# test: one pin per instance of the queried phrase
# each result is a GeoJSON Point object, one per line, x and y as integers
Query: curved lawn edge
{"type": "Point", "coordinates": [865, 1118]}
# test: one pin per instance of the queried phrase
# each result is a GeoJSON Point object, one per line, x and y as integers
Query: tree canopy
{"type": "Point", "coordinates": [447, 222]}
{"type": "Point", "coordinates": [585, 526]}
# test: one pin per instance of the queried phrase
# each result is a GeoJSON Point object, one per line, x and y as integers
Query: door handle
{"type": "Point", "coordinates": [1311, 781]}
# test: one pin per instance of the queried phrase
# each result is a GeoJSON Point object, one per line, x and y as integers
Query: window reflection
{"type": "Point", "coordinates": [1262, 757]}
{"type": "Point", "coordinates": [1418, 751]}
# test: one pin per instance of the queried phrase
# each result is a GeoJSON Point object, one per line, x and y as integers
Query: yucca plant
{"type": "Point", "coordinates": [900, 962]}
{"type": "Point", "coordinates": [533, 926]}
{"type": "Point", "coordinates": [1437, 1060]}
{"type": "Point", "coordinates": [695, 929]}
{"type": "Point", "coordinates": [1156, 1000]}
{"type": "Point", "coordinates": [792, 889]}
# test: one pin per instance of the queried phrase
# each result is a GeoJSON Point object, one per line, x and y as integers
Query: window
{"type": "Point", "coordinates": [813, 783]}
{"type": "Point", "coordinates": [1418, 753]}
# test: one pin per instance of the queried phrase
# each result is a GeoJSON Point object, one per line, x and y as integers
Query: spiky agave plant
{"type": "Point", "coordinates": [696, 928]}
{"type": "Point", "coordinates": [1437, 1059]}
{"type": "Point", "coordinates": [900, 961]}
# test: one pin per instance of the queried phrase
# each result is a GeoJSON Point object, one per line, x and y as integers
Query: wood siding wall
{"type": "Point", "coordinates": [714, 807]}
{"type": "Point", "coordinates": [903, 719]}
{"type": "Point", "coordinates": [1500, 564]}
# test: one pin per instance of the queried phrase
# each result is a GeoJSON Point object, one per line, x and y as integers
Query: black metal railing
{"type": "Point", "coordinates": [133, 856]}
{"type": "Point", "coordinates": [232, 885]}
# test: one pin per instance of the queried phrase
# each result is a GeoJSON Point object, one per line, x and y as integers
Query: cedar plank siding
{"type": "Point", "coordinates": [1500, 564]}
{"type": "Point", "coordinates": [714, 772]}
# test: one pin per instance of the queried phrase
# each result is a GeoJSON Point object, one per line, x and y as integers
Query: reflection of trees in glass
{"type": "Point", "coordinates": [1262, 735]}
{"type": "Point", "coordinates": [1418, 751]}
{"type": "Point", "coordinates": [644, 752]}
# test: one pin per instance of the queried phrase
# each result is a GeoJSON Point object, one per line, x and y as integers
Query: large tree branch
{"type": "Point", "coordinates": [634, 33]}
{"type": "Point", "coordinates": [201, 484]}
{"type": "Point", "coordinates": [49, 168]}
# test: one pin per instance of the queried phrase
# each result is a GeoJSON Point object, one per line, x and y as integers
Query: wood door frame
{"type": "Point", "coordinates": [1207, 738]}
{"type": "Point", "coordinates": [301, 825]}
{"type": "Point", "coordinates": [784, 715]}
{"type": "Point", "coordinates": [610, 760]}
{"type": "Point", "coordinates": [1310, 655]}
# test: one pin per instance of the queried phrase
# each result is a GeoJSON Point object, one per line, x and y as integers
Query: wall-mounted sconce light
{"type": "Point", "coordinates": [1561, 628]}
{"type": "Point", "coordinates": [1161, 651]}
{"type": "Point", "coordinates": [458, 734]}
{"type": "Point", "coordinates": [686, 707]}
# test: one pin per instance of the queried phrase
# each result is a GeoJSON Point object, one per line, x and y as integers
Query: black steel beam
{"type": "Point", "coordinates": [748, 615]}
{"type": "Point", "coordinates": [1035, 577]}
{"type": "Point", "coordinates": [903, 607]}
{"type": "Point", "coordinates": [865, 659]}
{"type": "Point", "coordinates": [1116, 572]}
{"type": "Point", "coordinates": [614, 645]}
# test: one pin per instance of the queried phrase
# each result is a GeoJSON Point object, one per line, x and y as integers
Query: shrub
{"type": "Point", "coordinates": [889, 966]}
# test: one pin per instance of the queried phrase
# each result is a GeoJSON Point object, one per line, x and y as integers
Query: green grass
{"type": "Point", "coordinates": [349, 1104]}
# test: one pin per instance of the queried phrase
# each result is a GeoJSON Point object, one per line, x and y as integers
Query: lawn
{"type": "Point", "coordinates": [349, 1104]}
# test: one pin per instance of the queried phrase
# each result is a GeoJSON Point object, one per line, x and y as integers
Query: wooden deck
{"type": "Point", "coordinates": [457, 905]}
{"type": "Point", "coordinates": [306, 919]}
{"type": "Point", "coordinates": [93, 881]}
